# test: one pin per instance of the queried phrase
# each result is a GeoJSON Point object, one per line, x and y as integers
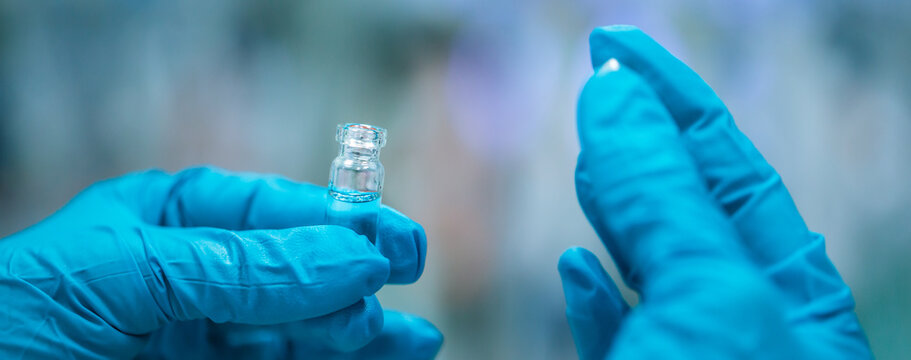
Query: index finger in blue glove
{"type": "Point", "coordinates": [640, 189]}
{"type": "Point", "coordinates": [746, 186]}
{"type": "Point", "coordinates": [738, 177]}
{"type": "Point", "coordinates": [251, 277]}
{"type": "Point", "coordinates": [210, 197]}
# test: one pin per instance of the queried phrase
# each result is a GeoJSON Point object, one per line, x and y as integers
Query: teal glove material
{"type": "Point", "coordinates": [697, 222]}
{"type": "Point", "coordinates": [193, 256]}
{"type": "Point", "coordinates": [403, 337]}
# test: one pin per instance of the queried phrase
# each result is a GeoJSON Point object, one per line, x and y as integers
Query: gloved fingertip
{"type": "Point", "coordinates": [575, 267]}
{"type": "Point", "coordinates": [420, 243]}
{"type": "Point", "coordinates": [404, 242]}
{"type": "Point", "coordinates": [355, 326]}
{"type": "Point", "coordinates": [366, 260]}
{"type": "Point", "coordinates": [607, 96]}
{"type": "Point", "coordinates": [406, 336]}
{"type": "Point", "coordinates": [598, 35]}
{"type": "Point", "coordinates": [576, 252]}
{"type": "Point", "coordinates": [627, 43]}
{"type": "Point", "coordinates": [587, 286]}
{"type": "Point", "coordinates": [601, 41]}
{"type": "Point", "coordinates": [427, 338]}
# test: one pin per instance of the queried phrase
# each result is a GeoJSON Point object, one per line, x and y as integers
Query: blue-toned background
{"type": "Point", "coordinates": [478, 97]}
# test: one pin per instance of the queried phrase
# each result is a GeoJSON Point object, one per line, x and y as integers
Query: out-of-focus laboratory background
{"type": "Point", "coordinates": [478, 97]}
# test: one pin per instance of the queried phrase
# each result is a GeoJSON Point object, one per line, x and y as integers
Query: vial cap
{"type": "Point", "coordinates": [361, 135]}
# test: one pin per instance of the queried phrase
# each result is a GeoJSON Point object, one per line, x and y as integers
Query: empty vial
{"type": "Point", "coordinates": [356, 179]}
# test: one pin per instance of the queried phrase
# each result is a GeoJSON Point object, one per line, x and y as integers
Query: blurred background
{"type": "Point", "coordinates": [478, 98]}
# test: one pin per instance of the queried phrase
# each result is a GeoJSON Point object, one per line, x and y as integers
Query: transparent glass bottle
{"type": "Point", "coordinates": [356, 179]}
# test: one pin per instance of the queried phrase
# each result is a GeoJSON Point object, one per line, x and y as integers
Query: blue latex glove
{"type": "Point", "coordinates": [149, 255]}
{"type": "Point", "coordinates": [697, 222]}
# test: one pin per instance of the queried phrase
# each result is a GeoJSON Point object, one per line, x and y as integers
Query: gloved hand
{"type": "Point", "coordinates": [697, 222]}
{"type": "Point", "coordinates": [149, 255]}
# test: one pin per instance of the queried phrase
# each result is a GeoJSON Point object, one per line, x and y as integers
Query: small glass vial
{"type": "Point", "coordinates": [356, 179]}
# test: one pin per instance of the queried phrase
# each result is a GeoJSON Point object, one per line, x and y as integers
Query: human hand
{"type": "Point", "coordinates": [133, 255]}
{"type": "Point", "coordinates": [697, 222]}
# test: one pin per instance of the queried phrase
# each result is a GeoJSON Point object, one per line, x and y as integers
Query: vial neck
{"type": "Point", "coordinates": [358, 152]}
